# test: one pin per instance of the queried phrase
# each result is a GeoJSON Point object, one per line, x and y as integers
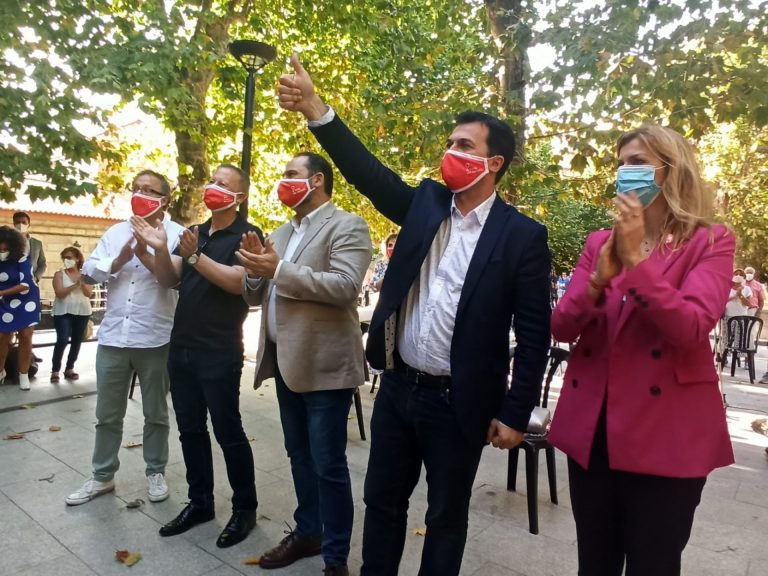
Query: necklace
{"type": "Point", "coordinates": [647, 247]}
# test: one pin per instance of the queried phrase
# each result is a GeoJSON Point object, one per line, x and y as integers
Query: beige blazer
{"type": "Point", "coordinates": [319, 343]}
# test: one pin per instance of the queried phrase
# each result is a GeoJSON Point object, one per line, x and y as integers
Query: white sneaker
{"type": "Point", "coordinates": [88, 491]}
{"type": "Point", "coordinates": [24, 381]}
{"type": "Point", "coordinates": [157, 489]}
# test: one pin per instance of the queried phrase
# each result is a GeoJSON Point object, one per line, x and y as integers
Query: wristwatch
{"type": "Point", "coordinates": [192, 259]}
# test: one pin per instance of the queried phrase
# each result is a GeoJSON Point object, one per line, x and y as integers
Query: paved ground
{"type": "Point", "coordinates": [41, 536]}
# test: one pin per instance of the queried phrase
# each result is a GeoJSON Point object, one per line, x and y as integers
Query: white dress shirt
{"type": "Point", "coordinates": [427, 318]}
{"type": "Point", "coordinates": [139, 310]}
{"type": "Point", "coordinates": [299, 229]}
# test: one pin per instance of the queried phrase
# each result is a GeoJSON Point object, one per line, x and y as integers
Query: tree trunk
{"type": "Point", "coordinates": [194, 172]}
{"type": "Point", "coordinates": [192, 143]}
{"type": "Point", "coordinates": [511, 34]}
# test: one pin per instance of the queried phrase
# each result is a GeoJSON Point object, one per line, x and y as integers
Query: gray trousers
{"type": "Point", "coordinates": [114, 368]}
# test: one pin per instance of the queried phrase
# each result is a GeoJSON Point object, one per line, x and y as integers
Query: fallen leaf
{"type": "Point", "coordinates": [419, 531]}
{"type": "Point", "coordinates": [252, 561]}
{"type": "Point", "coordinates": [78, 396]}
{"type": "Point", "coordinates": [133, 444]}
{"type": "Point", "coordinates": [48, 479]}
{"type": "Point", "coordinates": [121, 555]}
{"type": "Point", "coordinates": [135, 503]}
{"type": "Point", "coordinates": [26, 407]}
{"type": "Point", "coordinates": [251, 439]}
{"type": "Point", "coordinates": [14, 436]}
{"type": "Point", "coordinates": [760, 426]}
{"type": "Point", "coordinates": [126, 557]}
{"type": "Point", "coordinates": [55, 428]}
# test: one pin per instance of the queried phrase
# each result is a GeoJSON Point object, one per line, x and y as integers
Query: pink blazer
{"type": "Point", "coordinates": [644, 349]}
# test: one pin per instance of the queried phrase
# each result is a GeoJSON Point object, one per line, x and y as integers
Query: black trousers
{"type": "Point", "coordinates": [412, 425]}
{"type": "Point", "coordinates": [640, 519]}
{"type": "Point", "coordinates": [208, 382]}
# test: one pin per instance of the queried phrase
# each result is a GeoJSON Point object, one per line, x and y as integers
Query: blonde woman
{"type": "Point", "coordinates": [641, 380]}
{"type": "Point", "coordinates": [71, 311]}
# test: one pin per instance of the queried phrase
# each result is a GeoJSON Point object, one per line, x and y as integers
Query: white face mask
{"type": "Point", "coordinates": [69, 263]}
{"type": "Point", "coordinates": [749, 277]}
{"type": "Point", "coordinates": [4, 256]}
{"type": "Point", "coordinates": [22, 227]}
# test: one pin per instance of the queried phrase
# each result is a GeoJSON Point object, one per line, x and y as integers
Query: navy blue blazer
{"type": "Point", "coordinates": [508, 277]}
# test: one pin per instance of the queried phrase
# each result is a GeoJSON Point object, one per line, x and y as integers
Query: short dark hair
{"type": "Point", "coordinates": [14, 240]}
{"type": "Point", "coordinates": [501, 138]}
{"type": "Point", "coordinates": [165, 187]}
{"type": "Point", "coordinates": [19, 215]}
{"type": "Point", "coordinates": [78, 255]}
{"type": "Point", "coordinates": [245, 181]}
{"type": "Point", "coordinates": [317, 163]}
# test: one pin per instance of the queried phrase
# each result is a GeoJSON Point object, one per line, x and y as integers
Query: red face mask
{"type": "Point", "coordinates": [218, 198]}
{"type": "Point", "coordinates": [144, 205]}
{"type": "Point", "coordinates": [293, 191]}
{"type": "Point", "coordinates": [462, 171]}
{"type": "Point", "coordinates": [389, 252]}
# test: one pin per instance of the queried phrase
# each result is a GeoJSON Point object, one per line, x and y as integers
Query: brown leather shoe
{"type": "Point", "coordinates": [336, 570]}
{"type": "Point", "coordinates": [291, 548]}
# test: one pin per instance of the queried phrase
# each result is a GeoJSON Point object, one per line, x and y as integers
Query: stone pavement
{"type": "Point", "coordinates": [41, 536]}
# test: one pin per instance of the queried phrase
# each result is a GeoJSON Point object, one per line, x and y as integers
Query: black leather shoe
{"type": "Point", "coordinates": [191, 516]}
{"type": "Point", "coordinates": [237, 529]}
{"type": "Point", "coordinates": [291, 548]}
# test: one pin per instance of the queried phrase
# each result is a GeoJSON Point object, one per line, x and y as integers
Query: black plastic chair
{"type": "Point", "coordinates": [742, 334]}
{"type": "Point", "coordinates": [532, 444]}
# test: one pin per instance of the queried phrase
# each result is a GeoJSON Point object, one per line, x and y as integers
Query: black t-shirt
{"type": "Point", "coordinates": [206, 315]}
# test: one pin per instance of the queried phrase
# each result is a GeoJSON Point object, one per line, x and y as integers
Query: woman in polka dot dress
{"type": "Point", "coordinates": [19, 301]}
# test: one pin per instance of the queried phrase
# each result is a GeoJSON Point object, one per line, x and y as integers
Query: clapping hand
{"type": "Point", "coordinates": [148, 235]}
{"type": "Point", "coordinates": [188, 242]}
{"type": "Point", "coordinates": [125, 256]}
{"type": "Point", "coordinates": [608, 263]}
{"type": "Point", "coordinates": [260, 261]}
{"type": "Point", "coordinates": [629, 229]}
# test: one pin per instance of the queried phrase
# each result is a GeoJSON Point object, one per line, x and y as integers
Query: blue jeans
{"type": "Point", "coordinates": [204, 381]}
{"type": "Point", "coordinates": [315, 430]}
{"type": "Point", "coordinates": [70, 329]}
{"type": "Point", "coordinates": [412, 425]}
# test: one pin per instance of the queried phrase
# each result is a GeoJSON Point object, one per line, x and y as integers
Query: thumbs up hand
{"type": "Point", "coordinates": [296, 93]}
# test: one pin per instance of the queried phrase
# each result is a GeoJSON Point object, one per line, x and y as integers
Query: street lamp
{"type": "Point", "coordinates": [253, 56]}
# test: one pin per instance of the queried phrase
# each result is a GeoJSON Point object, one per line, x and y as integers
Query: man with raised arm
{"type": "Point", "coordinates": [464, 265]}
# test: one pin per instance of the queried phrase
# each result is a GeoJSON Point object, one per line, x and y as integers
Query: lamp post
{"type": "Point", "coordinates": [253, 56]}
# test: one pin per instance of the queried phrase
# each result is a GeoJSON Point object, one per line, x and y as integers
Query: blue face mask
{"type": "Point", "coordinates": [638, 179]}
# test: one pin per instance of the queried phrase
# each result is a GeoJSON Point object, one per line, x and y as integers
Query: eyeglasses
{"type": "Point", "coordinates": [143, 189]}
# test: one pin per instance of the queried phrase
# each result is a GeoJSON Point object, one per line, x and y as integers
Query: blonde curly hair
{"type": "Point", "coordinates": [690, 200]}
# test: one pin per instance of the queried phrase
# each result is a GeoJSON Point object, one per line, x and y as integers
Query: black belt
{"type": "Point", "coordinates": [422, 378]}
